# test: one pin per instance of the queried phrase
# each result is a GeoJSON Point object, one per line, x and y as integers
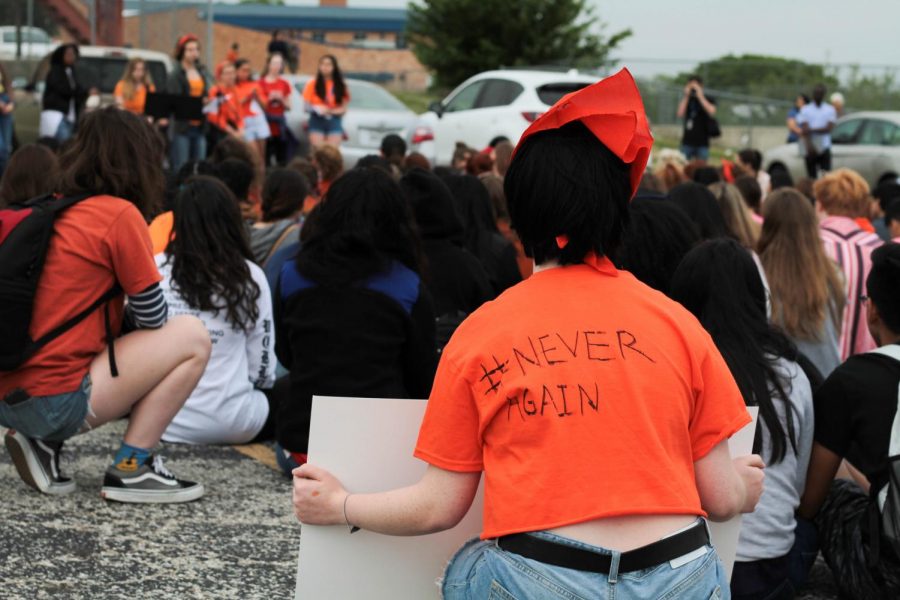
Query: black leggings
{"type": "Point", "coordinates": [275, 396]}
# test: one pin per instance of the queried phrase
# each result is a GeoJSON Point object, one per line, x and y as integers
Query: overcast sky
{"type": "Point", "coordinates": [835, 31]}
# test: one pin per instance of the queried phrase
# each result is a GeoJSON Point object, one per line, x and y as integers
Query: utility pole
{"type": "Point", "coordinates": [30, 20]}
{"type": "Point", "coordinates": [142, 26]}
{"type": "Point", "coordinates": [209, 33]}
{"type": "Point", "coordinates": [92, 15]}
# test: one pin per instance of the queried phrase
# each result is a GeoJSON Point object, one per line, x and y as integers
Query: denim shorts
{"type": "Point", "coordinates": [481, 569]}
{"type": "Point", "coordinates": [319, 124]}
{"type": "Point", "coordinates": [54, 418]}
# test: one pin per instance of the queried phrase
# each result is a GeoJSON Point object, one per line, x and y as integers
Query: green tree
{"type": "Point", "coordinates": [758, 75]}
{"type": "Point", "coordinates": [459, 38]}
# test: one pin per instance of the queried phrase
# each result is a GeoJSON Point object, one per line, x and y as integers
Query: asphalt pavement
{"type": "Point", "coordinates": [239, 541]}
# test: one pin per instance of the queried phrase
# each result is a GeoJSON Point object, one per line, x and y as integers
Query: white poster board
{"type": "Point", "coordinates": [367, 443]}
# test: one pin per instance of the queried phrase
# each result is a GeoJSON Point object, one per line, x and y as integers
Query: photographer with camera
{"type": "Point", "coordinates": [697, 109]}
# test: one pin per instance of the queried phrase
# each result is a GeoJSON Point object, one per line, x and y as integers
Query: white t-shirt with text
{"type": "Point", "coordinates": [227, 406]}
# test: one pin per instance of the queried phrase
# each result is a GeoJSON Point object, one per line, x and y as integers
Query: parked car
{"type": "Point", "coordinates": [867, 142]}
{"type": "Point", "coordinates": [496, 103]}
{"type": "Point", "coordinates": [371, 114]}
{"type": "Point", "coordinates": [98, 66]}
{"type": "Point", "coordinates": [35, 43]}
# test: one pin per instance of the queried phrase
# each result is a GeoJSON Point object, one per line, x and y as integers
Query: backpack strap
{"type": "Point", "coordinates": [287, 231]}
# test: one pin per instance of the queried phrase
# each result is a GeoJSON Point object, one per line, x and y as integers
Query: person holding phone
{"type": "Point", "coordinates": [697, 109]}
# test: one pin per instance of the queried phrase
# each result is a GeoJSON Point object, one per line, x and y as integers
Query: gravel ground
{"type": "Point", "coordinates": [239, 541]}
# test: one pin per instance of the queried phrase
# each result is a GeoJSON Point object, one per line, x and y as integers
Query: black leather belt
{"type": "Point", "coordinates": [569, 557]}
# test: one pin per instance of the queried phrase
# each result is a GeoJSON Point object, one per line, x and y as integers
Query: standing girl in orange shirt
{"type": "Point", "coordinates": [131, 91]}
{"type": "Point", "coordinates": [225, 114]}
{"type": "Point", "coordinates": [327, 97]}
{"type": "Point", "coordinates": [256, 127]}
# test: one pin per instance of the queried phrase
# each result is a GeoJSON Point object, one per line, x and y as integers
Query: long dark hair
{"type": "Point", "coordinates": [362, 224]}
{"type": "Point", "coordinates": [117, 153]}
{"type": "Point", "coordinates": [719, 283]}
{"type": "Point", "coordinates": [340, 89]}
{"type": "Point", "coordinates": [209, 253]}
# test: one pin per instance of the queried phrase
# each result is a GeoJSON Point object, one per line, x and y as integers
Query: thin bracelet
{"type": "Point", "coordinates": [353, 528]}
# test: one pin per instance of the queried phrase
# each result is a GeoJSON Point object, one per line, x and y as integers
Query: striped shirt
{"type": "Point", "coordinates": [149, 309]}
{"type": "Point", "coordinates": [851, 248]}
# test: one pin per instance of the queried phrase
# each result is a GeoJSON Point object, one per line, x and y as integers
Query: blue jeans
{"type": "Point", "coordinates": [482, 570]}
{"type": "Point", "coordinates": [187, 146]}
{"type": "Point", "coordinates": [692, 152]}
{"type": "Point", "coordinates": [325, 126]}
{"type": "Point", "coordinates": [65, 131]}
{"type": "Point", "coordinates": [55, 418]}
{"type": "Point", "coordinates": [6, 131]}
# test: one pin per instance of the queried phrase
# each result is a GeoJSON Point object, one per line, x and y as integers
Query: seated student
{"type": "Point", "coordinates": [855, 416]}
{"type": "Point", "coordinates": [352, 316]}
{"type": "Point", "coordinates": [282, 200]}
{"type": "Point", "coordinates": [659, 234]}
{"type": "Point", "coordinates": [601, 426]}
{"type": "Point", "coordinates": [237, 175]}
{"type": "Point", "coordinates": [719, 283]}
{"type": "Point", "coordinates": [76, 382]}
{"type": "Point", "coordinates": [482, 238]}
{"type": "Point", "coordinates": [330, 164]}
{"type": "Point", "coordinates": [207, 273]}
{"type": "Point", "coordinates": [308, 170]}
{"type": "Point", "coordinates": [892, 220]}
{"type": "Point", "coordinates": [457, 281]}
{"type": "Point", "coordinates": [494, 185]}
{"type": "Point", "coordinates": [31, 172]}
{"type": "Point", "coordinates": [738, 217]}
{"type": "Point", "coordinates": [393, 149]}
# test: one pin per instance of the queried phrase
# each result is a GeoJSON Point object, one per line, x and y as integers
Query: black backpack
{"type": "Point", "coordinates": [25, 231]}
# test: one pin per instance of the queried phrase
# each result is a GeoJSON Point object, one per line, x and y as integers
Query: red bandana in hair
{"type": "Point", "coordinates": [613, 111]}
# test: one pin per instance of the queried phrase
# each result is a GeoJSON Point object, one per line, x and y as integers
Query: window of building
{"type": "Point", "coordinates": [318, 36]}
{"type": "Point", "coordinates": [401, 40]}
{"type": "Point", "coordinates": [360, 36]}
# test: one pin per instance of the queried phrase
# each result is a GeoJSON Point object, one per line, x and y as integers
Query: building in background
{"type": "Point", "coordinates": [369, 43]}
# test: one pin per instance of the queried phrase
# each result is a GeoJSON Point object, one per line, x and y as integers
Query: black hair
{"type": "Point", "coordinates": [805, 98]}
{"type": "Point", "coordinates": [887, 192]}
{"type": "Point", "coordinates": [780, 178]}
{"type": "Point", "coordinates": [751, 157]}
{"type": "Point", "coordinates": [706, 175]}
{"type": "Point", "coordinates": [701, 207]}
{"type": "Point", "coordinates": [340, 88]}
{"type": "Point", "coordinates": [892, 211]}
{"type": "Point", "coordinates": [283, 194]}
{"type": "Point", "coordinates": [240, 63]}
{"type": "Point", "coordinates": [373, 161]}
{"type": "Point", "coordinates": [657, 238]}
{"type": "Point", "coordinates": [363, 224]}
{"type": "Point", "coordinates": [56, 58]}
{"type": "Point", "coordinates": [500, 138]}
{"type": "Point", "coordinates": [750, 190]}
{"type": "Point", "coordinates": [433, 206]}
{"type": "Point", "coordinates": [883, 284]}
{"type": "Point", "coordinates": [720, 284]}
{"type": "Point", "coordinates": [237, 175]}
{"type": "Point", "coordinates": [473, 204]}
{"type": "Point", "coordinates": [209, 253]}
{"type": "Point", "coordinates": [695, 77]}
{"type": "Point", "coordinates": [566, 182]}
{"type": "Point", "coordinates": [393, 145]}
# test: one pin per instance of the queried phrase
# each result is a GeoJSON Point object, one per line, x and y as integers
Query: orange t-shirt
{"type": "Point", "coordinates": [161, 231]}
{"type": "Point", "coordinates": [582, 394]}
{"type": "Point", "coordinates": [229, 112]}
{"type": "Point", "coordinates": [309, 94]}
{"type": "Point", "coordinates": [95, 243]}
{"type": "Point", "coordinates": [245, 91]}
{"type": "Point", "coordinates": [138, 100]}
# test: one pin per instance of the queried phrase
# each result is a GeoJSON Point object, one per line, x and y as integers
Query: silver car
{"type": "Point", "coordinates": [867, 142]}
{"type": "Point", "coordinates": [371, 114]}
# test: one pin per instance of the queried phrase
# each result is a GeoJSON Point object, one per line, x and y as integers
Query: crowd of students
{"type": "Point", "coordinates": [588, 328]}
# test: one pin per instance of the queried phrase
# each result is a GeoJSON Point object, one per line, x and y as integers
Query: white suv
{"type": "Point", "coordinates": [496, 103]}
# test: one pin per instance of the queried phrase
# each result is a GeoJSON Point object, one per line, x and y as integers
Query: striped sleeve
{"type": "Point", "coordinates": [149, 308]}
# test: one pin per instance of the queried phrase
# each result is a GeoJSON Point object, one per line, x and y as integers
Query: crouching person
{"type": "Point", "coordinates": [98, 252]}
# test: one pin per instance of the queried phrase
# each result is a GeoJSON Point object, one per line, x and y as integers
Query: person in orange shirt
{"type": "Point", "coordinates": [327, 98]}
{"type": "Point", "coordinates": [256, 126]}
{"type": "Point", "coordinates": [598, 409]}
{"type": "Point", "coordinates": [131, 91]}
{"type": "Point", "coordinates": [224, 108]}
{"type": "Point", "coordinates": [232, 54]}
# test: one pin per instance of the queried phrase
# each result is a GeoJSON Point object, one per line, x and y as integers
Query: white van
{"type": "Point", "coordinates": [100, 67]}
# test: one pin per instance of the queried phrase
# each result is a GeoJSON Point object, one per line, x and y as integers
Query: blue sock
{"type": "Point", "coordinates": [129, 457]}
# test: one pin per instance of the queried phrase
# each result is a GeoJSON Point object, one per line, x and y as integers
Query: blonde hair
{"type": "Point", "coordinates": [736, 214]}
{"type": "Point", "coordinates": [670, 168]}
{"type": "Point", "coordinates": [803, 281]}
{"type": "Point", "coordinates": [843, 193]}
{"type": "Point", "coordinates": [128, 87]}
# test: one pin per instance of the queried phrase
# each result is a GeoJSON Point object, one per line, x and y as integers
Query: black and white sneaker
{"type": "Point", "coordinates": [37, 462]}
{"type": "Point", "coordinates": [148, 483]}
